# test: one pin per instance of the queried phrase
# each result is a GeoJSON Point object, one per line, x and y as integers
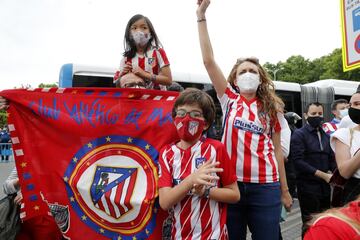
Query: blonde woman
{"type": "Point", "coordinates": [338, 223]}
{"type": "Point", "coordinates": [252, 124]}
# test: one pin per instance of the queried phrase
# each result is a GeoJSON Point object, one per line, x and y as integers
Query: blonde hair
{"type": "Point", "coordinates": [271, 104]}
{"type": "Point", "coordinates": [337, 213]}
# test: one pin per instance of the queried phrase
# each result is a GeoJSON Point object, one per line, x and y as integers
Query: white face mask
{"type": "Point", "coordinates": [248, 82]}
{"type": "Point", "coordinates": [344, 112]}
{"type": "Point", "coordinates": [141, 38]}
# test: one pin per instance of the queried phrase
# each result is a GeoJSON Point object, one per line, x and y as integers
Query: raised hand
{"type": "Point", "coordinates": [203, 5]}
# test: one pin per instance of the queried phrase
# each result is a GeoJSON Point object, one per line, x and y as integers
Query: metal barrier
{"type": "Point", "coordinates": [6, 152]}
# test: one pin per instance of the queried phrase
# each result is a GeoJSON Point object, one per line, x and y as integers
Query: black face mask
{"type": "Point", "coordinates": [354, 115]}
{"type": "Point", "coordinates": [315, 121]}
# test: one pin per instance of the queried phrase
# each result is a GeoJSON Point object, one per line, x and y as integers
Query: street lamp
{"type": "Point", "coordinates": [275, 71]}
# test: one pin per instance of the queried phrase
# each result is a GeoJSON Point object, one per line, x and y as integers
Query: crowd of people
{"type": "Point", "coordinates": [263, 161]}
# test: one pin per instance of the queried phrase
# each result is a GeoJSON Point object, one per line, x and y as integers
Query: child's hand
{"type": "Point", "coordinates": [203, 176]}
{"type": "Point", "coordinates": [127, 68]}
{"type": "Point", "coordinates": [139, 72]}
{"type": "Point", "coordinates": [198, 190]}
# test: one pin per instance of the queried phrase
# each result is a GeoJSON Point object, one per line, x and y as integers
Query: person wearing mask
{"type": "Point", "coordinates": [346, 144]}
{"type": "Point", "coordinates": [339, 109]}
{"type": "Point", "coordinates": [346, 121]}
{"type": "Point", "coordinates": [144, 55]}
{"type": "Point", "coordinates": [313, 160]}
{"type": "Point", "coordinates": [252, 124]}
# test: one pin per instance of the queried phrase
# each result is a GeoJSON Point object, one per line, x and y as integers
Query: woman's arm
{"type": "Point", "coordinates": [347, 165]}
{"type": "Point", "coordinates": [215, 73]}
{"type": "Point", "coordinates": [285, 195]}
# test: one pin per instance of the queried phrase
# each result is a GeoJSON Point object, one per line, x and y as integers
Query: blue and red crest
{"type": "Point", "coordinates": [112, 186]}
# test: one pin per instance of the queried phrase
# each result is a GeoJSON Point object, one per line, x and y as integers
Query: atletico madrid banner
{"type": "Point", "coordinates": [89, 156]}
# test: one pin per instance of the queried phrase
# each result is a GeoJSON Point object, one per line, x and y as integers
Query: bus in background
{"type": "Point", "coordinates": [294, 95]}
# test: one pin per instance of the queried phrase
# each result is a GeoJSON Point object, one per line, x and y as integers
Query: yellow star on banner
{"type": "Point", "coordinates": [129, 140]}
{"type": "Point", "coordinates": [23, 164]}
{"type": "Point", "coordinates": [147, 147]}
{"type": "Point", "coordinates": [83, 217]}
{"type": "Point", "coordinates": [66, 179]}
{"type": "Point", "coordinates": [75, 159]}
{"type": "Point", "coordinates": [72, 199]}
{"type": "Point", "coordinates": [36, 208]}
{"type": "Point", "coordinates": [102, 230]}
{"type": "Point", "coordinates": [108, 139]}
{"type": "Point", "coordinates": [87, 164]}
{"type": "Point", "coordinates": [74, 92]}
{"type": "Point", "coordinates": [131, 95]}
{"type": "Point", "coordinates": [89, 145]}
{"type": "Point", "coordinates": [146, 201]}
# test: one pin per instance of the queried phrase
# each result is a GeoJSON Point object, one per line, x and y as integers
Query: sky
{"type": "Point", "coordinates": [38, 36]}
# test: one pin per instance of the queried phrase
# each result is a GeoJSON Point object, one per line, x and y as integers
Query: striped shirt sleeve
{"type": "Point", "coordinates": [162, 58]}
{"type": "Point", "coordinates": [228, 97]}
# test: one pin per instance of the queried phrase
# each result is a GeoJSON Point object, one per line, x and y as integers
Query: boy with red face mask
{"type": "Point", "coordinates": [196, 176]}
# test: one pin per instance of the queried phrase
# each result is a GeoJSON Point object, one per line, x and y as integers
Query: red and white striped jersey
{"type": "Point", "coordinates": [152, 62]}
{"type": "Point", "coordinates": [196, 217]}
{"type": "Point", "coordinates": [247, 138]}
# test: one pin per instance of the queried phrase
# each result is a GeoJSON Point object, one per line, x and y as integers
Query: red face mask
{"type": "Point", "coordinates": [188, 128]}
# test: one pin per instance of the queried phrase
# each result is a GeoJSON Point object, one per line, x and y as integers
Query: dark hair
{"type": "Point", "coordinates": [193, 96]}
{"type": "Point", "coordinates": [175, 87]}
{"type": "Point", "coordinates": [129, 44]}
{"type": "Point", "coordinates": [336, 102]}
{"type": "Point", "coordinates": [313, 103]}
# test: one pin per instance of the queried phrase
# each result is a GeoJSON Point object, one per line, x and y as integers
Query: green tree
{"type": "Point", "coordinates": [298, 69]}
{"type": "Point", "coordinates": [3, 118]}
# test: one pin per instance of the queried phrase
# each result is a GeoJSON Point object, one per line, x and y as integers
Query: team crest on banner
{"type": "Point", "coordinates": [111, 185]}
{"type": "Point", "coordinates": [193, 127]}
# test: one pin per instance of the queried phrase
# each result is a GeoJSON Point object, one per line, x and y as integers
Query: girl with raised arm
{"type": "Point", "coordinates": [252, 116]}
